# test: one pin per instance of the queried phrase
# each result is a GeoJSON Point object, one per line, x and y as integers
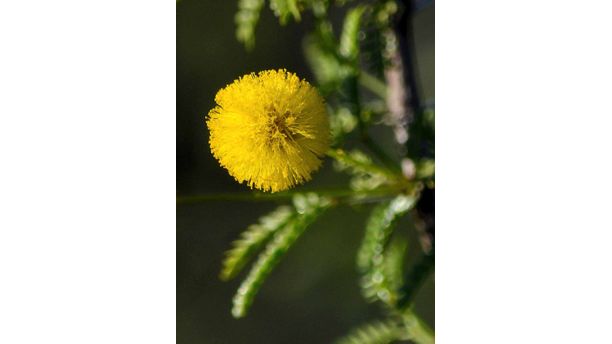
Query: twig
{"type": "Point", "coordinates": [402, 96]}
{"type": "Point", "coordinates": [404, 105]}
{"type": "Point", "coordinates": [405, 36]}
{"type": "Point", "coordinates": [337, 194]}
{"type": "Point", "coordinates": [373, 84]}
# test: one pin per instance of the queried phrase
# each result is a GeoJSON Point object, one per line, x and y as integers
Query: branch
{"type": "Point", "coordinates": [403, 98]}
{"type": "Point", "coordinates": [372, 83]}
{"type": "Point", "coordinates": [405, 36]}
{"type": "Point", "coordinates": [336, 194]}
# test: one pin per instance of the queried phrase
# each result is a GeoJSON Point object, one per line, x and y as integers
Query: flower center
{"type": "Point", "coordinates": [279, 124]}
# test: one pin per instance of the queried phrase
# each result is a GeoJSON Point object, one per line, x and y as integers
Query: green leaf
{"type": "Point", "coordinates": [373, 84]}
{"type": "Point", "coordinates": [349, 39]}
{"type": "Point", "coordinates": [425, 168]}
{"type": "Point", "coordinates": [325, 66]}
{"type": "Point", "coordinates": [307, 208]}
{"type": "Point", "coordinates": [341, 123]}
{"type": "Point", "coordinates": [246, 20]}
{"type": "Point", "coordinates": [252, 239]}
{"type": "Point", "coordinates": [319, 8]}
{"type": "Point", "coordinates": [366, 174]}
{"type": "Point", "coordinates": [285, 9]}
{"type": "Point", "coordinates": [377, 281]}
{"type": "Point", "coordinates": [408, 327]}
{"type": "Point", "coordinates": [377, 332]}
{"type": "Point", "coordinates": [393, 263]}
{"type": "Point", "coordinates": [357, 162]}
{"type": "Point", "coordinates": [379, 40]}
{"type": "Point", "coordinates": [379, 228]}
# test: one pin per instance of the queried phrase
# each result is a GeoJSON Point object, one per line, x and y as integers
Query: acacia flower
{"type": "Point", "coordinates": [269, 130]}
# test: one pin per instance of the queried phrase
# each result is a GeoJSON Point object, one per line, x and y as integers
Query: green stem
{"type": "Point", "coordinates": [338, 194]}
{"type": "Point", "coordinates": [372, 83]}
{"type": "Point", "coordinates": [341, 156]}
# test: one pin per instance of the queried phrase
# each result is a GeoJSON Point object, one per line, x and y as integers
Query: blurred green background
{"type": "Point", "coordinates": [313, 296]}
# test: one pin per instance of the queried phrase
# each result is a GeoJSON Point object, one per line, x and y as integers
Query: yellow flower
{"type": "Point", "coordinates": [269, 130]}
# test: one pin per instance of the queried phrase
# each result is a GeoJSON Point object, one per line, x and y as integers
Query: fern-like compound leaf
{"type": "Point", "coordinates": [379, 41]}
{"type": "Point", "coordinates": [377, 283]}
{"type": "Point", "coordinates": [252, 240]}
{"type": "Point", "coordinates": [324, 64]}
{"type": "Point", "coordinates": [246, 20]}
{"type": "Point", "coordinates": [341, 123]}
{"type": "Point", "coordinates": [307, 208]}
{"type": "Point", "coordinates": [366, 174]}
{"type": "Point", "coordinates": [349, 38]}
{"type": "Point", "coordinates": [377, 332]}
{"type": "Point", "coordinates": [357, 162]}
{"type": "Point", "coordinates": [393, 264]}
{"type": "Point", "coordinates": [285, 9]}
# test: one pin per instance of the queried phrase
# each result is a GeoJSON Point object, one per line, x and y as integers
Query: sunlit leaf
{"type": "Point", "coordinates": [377, 332]}
{"type": "Point", "coordinates": [324, 64]}
{"type": "Point", "coordinates": [307, 209]}
{"type": "Point", "coordinates": [341, 122]}
{"type": "Point", "coordinates": [349, 39]}
{"type": "Point", "coordinates": [285, 9]}
{"type": "Point", "coordinates": [252, 239]}
{"type": "Point", "coordinates": [246, 20]}
{"type": "Point", "coordinates": [377, 281]}
{"type": "Point", "coordinates": [358, 162]}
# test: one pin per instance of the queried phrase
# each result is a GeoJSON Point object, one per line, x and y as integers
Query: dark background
{"type": "Point", "coordinates": [313, 295]}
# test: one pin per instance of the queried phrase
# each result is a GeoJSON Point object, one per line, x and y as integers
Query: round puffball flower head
{"type": "Point", "coordinates": [269, 130]}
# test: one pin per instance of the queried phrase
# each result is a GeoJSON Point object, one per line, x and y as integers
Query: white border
{"type": "Point", "coordinates": [87, 176]}
{"type": "Point", "coordinates": [523, 172]}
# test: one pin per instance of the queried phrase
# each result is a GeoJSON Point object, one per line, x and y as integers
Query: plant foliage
{"type": "Point", "coordinates": [306, 208]}
{"type": "Point", "coordinates": [349, 39]}
{"type": "Point", "coordinates": [246, 20]}
{"type": "Point", "coordinates": [378, 282]}
{"type": "Point", "coordinates": [377, 332]}
{"type": "Point", "coordinates": [252, 239]}
{"type": "Point", "coordinates": [344, 66]}
{"type": "Point", "coordinates": [285, 9]}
